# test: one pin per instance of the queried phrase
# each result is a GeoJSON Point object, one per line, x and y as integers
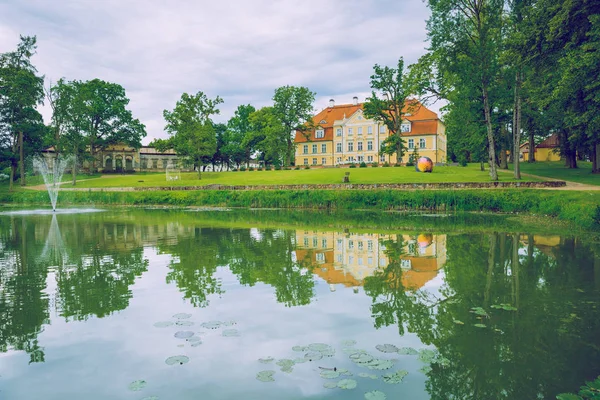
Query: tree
{"type": "Point", "coordinates": [293, 106]}
{"type": "Point", "coordinates": [239, 128]}
{"type": "Point", "coordinates": [21, 90]}
{"type": "Point", "coordinates": [466, 34]}
{"type": "Point", "coordinates": [265, 136]}
{"type": "Point", "coordinates": [192, 130]}
{"type": "Point", "coordinates": [396, 86]}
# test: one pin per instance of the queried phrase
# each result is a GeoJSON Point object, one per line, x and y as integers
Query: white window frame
{"type": "Point", "coordinates": [359, 146]}
{"type": "Point", "coordinates": [320, 133]}
{"type": "Point", "coordinates": [306, 161]}
{"type": "Point", "coordinates": [405, 128]}
{"type": "Point", "coordinates": [314, 161]}
{"type": "Point", "coordinates": [411, 143]}
{"type": "Point", "coordinates": [360, 130]}
{"type": "Point", "coordinates": [422, 143]}
{"type": "Point", "coordinates": [369, 158]}
{"type": "Point", "coordinates": [369, 145]}
{"type": "Point", "coordinates": [382, 129]}
{"type": "Point", "coordinates": [324, 148]}
{"type": "Point", "coordinates": [349, 131]}
{"type": "Point", "coordinates": [382, 159]}
{"type": "Point", "coordinates": [361, 159]}
{"type": "Point", "coordinates": [350, 146]}
{"type": "Point", "coordinates": [369, 129]}
{"type": "Point", "coordinates": [323, 161]}
{"type": "Point", "coordinates": [338, 147]}
{"type": "Point", "coordinates": [314, 149]}
{"type": "Point", "coordinates": [338, 132]}
{"type": "Point", "coordinates": [305, 150]}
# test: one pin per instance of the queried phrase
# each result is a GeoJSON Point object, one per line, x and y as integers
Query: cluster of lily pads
{"type": "Point", "coordinates": [481, 314]}
{"type": "Point", "coordinates": [316, 352]}
{"type": "Point", "coordinates": [139, 385]}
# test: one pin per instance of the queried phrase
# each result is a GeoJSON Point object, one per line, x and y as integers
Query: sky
{"type": "Point", "coordinates": [240, 50]}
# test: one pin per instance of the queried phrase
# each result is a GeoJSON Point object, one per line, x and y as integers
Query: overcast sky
{"type": "Point", "coordinates": [240, 50]}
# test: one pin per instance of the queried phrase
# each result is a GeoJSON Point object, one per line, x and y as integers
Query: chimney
{"type": "Point", "coordinates": [331, 103]}
{"type": "Point", "coordinates": [355, 101]}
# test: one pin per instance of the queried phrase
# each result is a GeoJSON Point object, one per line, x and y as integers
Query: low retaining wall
{"type": "Point", "coordinates": [364, 186]}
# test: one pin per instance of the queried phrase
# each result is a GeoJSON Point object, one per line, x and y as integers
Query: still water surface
{"type": "Point", "coordinates": [92, 303]}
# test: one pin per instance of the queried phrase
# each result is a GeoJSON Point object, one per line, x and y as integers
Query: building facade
{"type": "Point", "coordinates": [343, 135]}
{"type": "Point", "coordinates": [547, 150]}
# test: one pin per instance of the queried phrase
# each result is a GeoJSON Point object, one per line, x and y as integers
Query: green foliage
{"type": "Point", "coordinates": [293, 107]}
{"type": "Point", "coordinates": [374, 165]}
{"type": "Point", "coordinates": [191, 127]}
{"type": "Point", "coordinates": [589, 391]}
{"type": "Point", "coordinates": [363, 165]}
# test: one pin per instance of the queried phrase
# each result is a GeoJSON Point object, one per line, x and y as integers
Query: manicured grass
{"type": "Point", "coordinates": [470, 173]}
{"type": "Point", "coordinates": [557, 170]}
{"type": "Point", "coordinates": [39, 180]}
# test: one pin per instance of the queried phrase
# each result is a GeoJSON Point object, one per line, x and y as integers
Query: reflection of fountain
{"type": "Point", "coordinates": [54, 248]}
{"type": "Point", "coordinates": [52, 175]}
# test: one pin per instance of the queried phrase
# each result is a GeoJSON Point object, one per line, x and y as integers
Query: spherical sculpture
{"type": "Point", "coordinates": [424, 165]}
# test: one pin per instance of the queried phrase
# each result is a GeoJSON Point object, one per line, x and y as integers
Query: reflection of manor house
{"type": "Point", "coordinates": [123, 158]}
{"type": "Point", "coordinates": [350, 258]}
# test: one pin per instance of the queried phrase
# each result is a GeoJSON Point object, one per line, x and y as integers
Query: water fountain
{"type": "Point", "coordinates": [52, 175]}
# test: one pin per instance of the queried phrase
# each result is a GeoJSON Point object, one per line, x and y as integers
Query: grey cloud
{"type": "Point", "coordinates": [237, 49]}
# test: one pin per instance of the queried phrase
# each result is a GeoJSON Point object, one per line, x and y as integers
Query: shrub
{"type": "Point", "coordinates": [408, 164]}
{"type": "Point", "coordinates": [233, 169]}
{"type": "Point", "coordinates": [297, 167]}
{"type": "Point", "coordinates": [374, 165]}
{"type": "Point", "coordinates": [307, 167]}
{"type": "Point", "coordinates": [362, 165]}
{"type": "Point", "coordinates": [386, 164]}
{"type": "Point", "coordinates": [352, 165]}
{"type": "Point", "coordinates": [242, 169]}
{"type": "Point", "coordinates": [251, 169]}
{"type": "Point", "coordinates": [287, 168]}
{"type": "Point", "coordinates": [278, 168]}
{"type": "Point", "coordinates": [398, 165]}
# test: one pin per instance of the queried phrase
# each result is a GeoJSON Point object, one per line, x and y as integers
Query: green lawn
{"type": "Point", "coordinates": [557, 170]}
{"type": "Point", "coordinates": [470, 173]}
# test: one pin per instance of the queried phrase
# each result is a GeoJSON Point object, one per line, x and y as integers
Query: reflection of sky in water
{"type": "Point", "coordinates": [99, 358]}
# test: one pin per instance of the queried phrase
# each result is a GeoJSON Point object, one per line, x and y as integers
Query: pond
{"type": "Point", "coordinates": [190, 304]}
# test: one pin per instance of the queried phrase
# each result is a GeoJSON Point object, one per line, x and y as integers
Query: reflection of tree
{"type": "Point", "coordinates": [265, 256]}
{"type": "Point", "coordinates": [392, 303]}
{"type": "Point", "coordinates": [23, 305]}
{"type": "Point", "coordinates": [268, 259]}
{"type": "Point", "coordinates": [195, 259]}
{"type": "Point", "coordinates": [550, 343]}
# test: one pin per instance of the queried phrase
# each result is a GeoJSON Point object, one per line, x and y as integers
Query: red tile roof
{"type": "Point", "coordinates": [551, 142]}
{"type": "Point", "coordinates": [424, 121]}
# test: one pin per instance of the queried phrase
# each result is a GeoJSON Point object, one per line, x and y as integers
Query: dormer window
{"type": "Point", "coordinates": [323, 121]}
{"type": "Point", "coordinates": [320, 133]}
{"type": "Point", "coordinates": [405, 128]}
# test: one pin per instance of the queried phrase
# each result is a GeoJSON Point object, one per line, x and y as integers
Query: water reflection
{"type": "Point", "coordinates": [84, 266]}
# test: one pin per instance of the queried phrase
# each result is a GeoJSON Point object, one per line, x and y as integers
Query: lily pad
{"type": "Point", "coordinates": [319, 347]}
{"type": "Point", "coordinates": [313, 356]}
{"type": "Point", "coordinates": [184, 334]}
{"type": "Point", "coordinates": [329, 374]}
{"type": "Point", "coordinates": [503, 306]}
{"type": "Point", "coordinates": [328, 353]}
{"type": "Point", "coordinates": [136, 386]}
{"type": "Point", "coordinates": [265, 376]}
{"type": "Point", "coordinates": [344, 371]}
{"type": "Point", "coordinates": [348, 343]}
{"type": "Point", "coordinates": [330, 385]}
{"type": "Point", "coordinates": [367, 375]}
{"type": "Point", "coordinates": [480, 325]}
{"type": "Point", "coordinates": [375, 395]}
{"type": "Point", "coordinates": [457, 322]}
{"type": "Point", "coordinates": [425, 369]}
{"type": "Point", "coordinates": [212, 324]}
{"type": "Point", "coordinates": [193, 339]}
{"type": "Point", "coordinates": [196, 344]}
{"type": "Point", "coordinates": [163, 324]}
{"type": "Point", "coordinates": [285, 362]}
{"type": "Point", "coordinates": [230, 332]}
{"type": "Point", "coordinates": [396, 377]}
{"type": "Point", "coordinates": [229, 323]}
{"type": "Point", "coordinates": [426, 355]}
{"type": "Point", "coordinates": [387, 348]}
{"type": "Point", "coordinates": [300, 360]}
{"type": "Point", "coordinates": [184, 323]}
{"type": "Point", "coordinates": [299, 348]}
{"type": "Point", "coordinates": [347, 384]}
{"type": "Point", "coordinates": [479, 311]}
{"type": "Point", "coordinates": [361, 358]}
{"type": "Point", "coordinates": [407, 351]}
{"type": "Point", "coordinates": [182, 316]}
{"type": "Point", "coordinates": [266, 360]}
{"type": "Point", "coordinates": [380, 364]}
{"type": "Point", "coordinates": [173, 360]}
{"type": "Point", "coordinates": [287, 370]}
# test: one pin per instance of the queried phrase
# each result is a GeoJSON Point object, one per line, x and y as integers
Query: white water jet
{"type": "Point", "coordinates": [52, 175]}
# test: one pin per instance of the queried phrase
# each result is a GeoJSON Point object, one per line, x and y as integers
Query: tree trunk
{"type": "Point", "coordinates": [517, 126]}
{"type": "Point", "coordinates": [21, 159]}
{"type": "Point", "coordinates": [490, 135]}
{"type": "Point", "coordinates": [595, 155]}
{"type": "Point", "coordinates": [74, 169]}
{"type": "Point", "coordinates": [13, 170]}
{"type": "Point", "coordinates": [482, 166]}
{"type": "Point", "coordinates": [503, 147]}
{"type": "Point", "coordinates": [531, 158]}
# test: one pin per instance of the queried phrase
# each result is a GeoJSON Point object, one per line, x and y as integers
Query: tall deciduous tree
{"type": "Point", "coordinates": [191, 128]}
{"type": "Point", "coordinates": [396, 87]}
{"type": "Point", "coordinates": [468, 32]}
{"type": "Point", "coordinates": [21, 90]}
{"type": "Point", "coordinates": [239, 128]}
{"type": "Point", "coordinates": [293, 106]}
{"type": "Point", "coordinates": [265, 136]}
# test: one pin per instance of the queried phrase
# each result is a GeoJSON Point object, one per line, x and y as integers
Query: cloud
{"type": "Point", "coordinates": [236, 49]}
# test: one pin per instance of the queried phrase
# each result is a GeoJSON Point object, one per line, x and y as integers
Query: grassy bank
{"type": "Point", "coordinates": [557, 170]}
{"type": "Point", "coordinates": [470, 173]}
{"type": "Point", "coordinates": [581, 208]}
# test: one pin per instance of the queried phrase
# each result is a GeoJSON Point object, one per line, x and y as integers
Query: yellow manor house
{"type": "Point", "coordinates": [343, 135]}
